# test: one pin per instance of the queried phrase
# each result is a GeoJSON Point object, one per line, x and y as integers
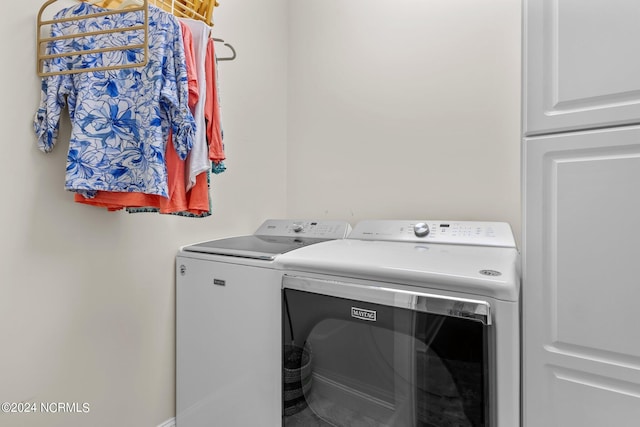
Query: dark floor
{"type": "Point", "coordinates": [329, 414]}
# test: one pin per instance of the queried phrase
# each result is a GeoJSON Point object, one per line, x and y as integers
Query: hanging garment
{"type": "Point", "coordinates": [198, 160]}
{"type": "Point", "coordinates": [190, 62]}
{"type": "Point", "coordinates": [212, 112]}
{"type": "Point", "coordinates": [120, 118]}
{"type": "Point", "coordinates": [197, 198]}
{"type": "Point", "coordinates": [198, 195]}
{"type": "Point", "coordinates": [199, 207]}
{"type": "Point", "coordinates": [178, 200]}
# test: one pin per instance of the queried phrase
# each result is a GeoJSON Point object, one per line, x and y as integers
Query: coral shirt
{"type": "Point", "coordinates": [212, 109]}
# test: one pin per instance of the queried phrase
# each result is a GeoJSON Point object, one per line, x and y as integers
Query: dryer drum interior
{"type": "Point", "coordinates": [374, 362]}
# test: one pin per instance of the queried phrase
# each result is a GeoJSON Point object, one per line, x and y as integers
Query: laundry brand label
{"type": "Point", "coordinates": [219, 282]}
{"type": "Point", "coordinates": [363, 314]}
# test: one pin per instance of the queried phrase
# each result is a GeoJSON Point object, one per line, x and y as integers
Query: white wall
{"type": "Point", "coordinates": [404, 109]}
{"type": "Point", "coordinates": [86, 296]}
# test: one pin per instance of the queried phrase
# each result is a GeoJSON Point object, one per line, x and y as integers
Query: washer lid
{"type": "Point", "coordinates": [255, 247]}
{"type": "Point", "coordinates": [274, 237]}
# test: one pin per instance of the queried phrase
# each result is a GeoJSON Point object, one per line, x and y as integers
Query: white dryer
{"type": "Point", "coordinates": [228, 325]}
{"type": "Point", "coordinates": [403, 324]}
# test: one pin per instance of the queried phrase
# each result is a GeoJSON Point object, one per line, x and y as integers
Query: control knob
{"type": "Point", "coordinates": [421, 229]}
{"type": "Point", "coordinates": [298, 228]}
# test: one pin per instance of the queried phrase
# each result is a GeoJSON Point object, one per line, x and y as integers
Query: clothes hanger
{"type": "Point", "coordinates": [201, 10]}
{"type": "Point", "coordinates": [227, 58]}
{"type": "Point", "coordinates": [42, 57]}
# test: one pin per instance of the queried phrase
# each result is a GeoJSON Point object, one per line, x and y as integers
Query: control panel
{"type": "Point", "coordinates": [304, 228]}
{"type": "Point", "coordinates": [436, 231]}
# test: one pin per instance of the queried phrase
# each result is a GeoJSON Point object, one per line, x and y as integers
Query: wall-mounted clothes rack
{"type": "Point", "coordinates": [201, 10]}
{"type": "Point", "coordinates": [40, 40]}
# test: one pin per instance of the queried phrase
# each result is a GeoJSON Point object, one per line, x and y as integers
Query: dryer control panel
{"type": "Point", "coordinates": [436, 231]}
{"type": "Point", "coordinates": [304, 228]}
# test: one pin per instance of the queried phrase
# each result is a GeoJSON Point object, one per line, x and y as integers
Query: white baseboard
{"type": "Point", "coordinates": [169, 423]}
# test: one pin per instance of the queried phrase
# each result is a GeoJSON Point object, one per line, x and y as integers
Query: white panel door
{"type": "Point", "coordinates": [228, 345]}
{"type": "Point", "coordinates": [581, 64]}
{"type": "Point", "coordinates": [581, 279]}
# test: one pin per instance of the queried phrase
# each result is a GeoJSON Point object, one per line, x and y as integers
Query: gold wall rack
{"type": "Point", "coordinates": [201, 10]}
{"type": "Point", "coordinates": [40, 40]}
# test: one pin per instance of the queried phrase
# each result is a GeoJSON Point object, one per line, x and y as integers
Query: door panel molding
{"type": "Point", "coordinates": [579, 73]}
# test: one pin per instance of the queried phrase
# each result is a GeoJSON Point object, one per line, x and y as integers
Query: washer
{"type": "Point", "coordinates": [403, 324]}
{"type": "Point", "coordinates": [228, 324]}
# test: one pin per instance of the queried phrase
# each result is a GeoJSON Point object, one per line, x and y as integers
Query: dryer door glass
{"type": "Point", "coordinates": [349, 363]}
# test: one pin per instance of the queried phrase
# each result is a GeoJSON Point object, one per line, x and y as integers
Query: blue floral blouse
{"type": "Point", "coordinates": [120, 119]}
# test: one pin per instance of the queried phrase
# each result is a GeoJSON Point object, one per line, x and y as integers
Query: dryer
{"type": "Point", "coordinates": [403, 324]}
{"type": "Point", "coordinates": [228, 324]}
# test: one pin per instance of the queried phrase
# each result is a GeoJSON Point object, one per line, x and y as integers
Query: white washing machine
{"type": "Point", "coordinates": [228, 324]}
{"type": "Point", "coordinates": [403, 324]}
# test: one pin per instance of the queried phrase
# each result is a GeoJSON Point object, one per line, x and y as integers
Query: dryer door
{"type": "Point", "coordinates": [376, 356]}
